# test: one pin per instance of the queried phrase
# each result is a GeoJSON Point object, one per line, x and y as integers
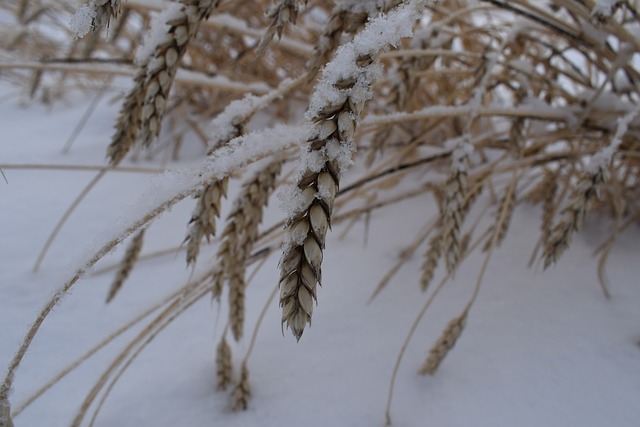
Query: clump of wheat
{"type": "Point", "coordinates": [529, 105]}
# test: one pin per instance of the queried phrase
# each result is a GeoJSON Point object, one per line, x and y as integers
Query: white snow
{"type": "Point", "coordinates": [82, 22]}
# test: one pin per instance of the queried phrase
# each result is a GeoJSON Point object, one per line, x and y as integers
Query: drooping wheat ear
{"type": "Point", "coordinates": [242, 391]}
{"type": "Point", "coordinates": [334, 110]}
{"type": "Point", "coordinates": [444, 344]}
{"type": "Point", "coordinates": [126, 265]}
{"type": "Point", "coordinates": [587, 189]}
{"type": "Point", "coordinates": [504, 213]}
{"type": "Point", "coordinates": [224, 365]}
{"type": "Point", "coordinates": [300, 266]}
{"type": "Point", "coordinates": [163, 63]}
{"type": "Point", "coordinates": [573, 215]}
{"type": "Point", "coordinates": [217, 282]}
{"type": "Point", "coordinates": [431, 257]}
{"type": "Point", "coordinates": [128, 123]}
{"type": "Point", "coordinates": [239, 235]}
{"type": "Point", "coordinates": [280, 13]}
{"type": "Point", "coordinates": [454, 206]}
{"type": "Point", "coordinates": [203, 219]}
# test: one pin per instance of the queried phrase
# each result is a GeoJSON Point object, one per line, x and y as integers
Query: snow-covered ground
{"type": "Point", "coordinates": [540, 348]}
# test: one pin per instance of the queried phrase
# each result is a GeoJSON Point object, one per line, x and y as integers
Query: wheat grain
{"type": "Point", "coordinates": [126, 265]}
{"type": "Point", "coordinates": [444, 344]}
{"type": "Point", "coordinates": [224, 366]}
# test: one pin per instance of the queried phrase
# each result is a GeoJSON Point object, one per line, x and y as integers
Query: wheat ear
{"type": "Point", "coordinates": [506, 206]}
{"type": "Point", "coordinates": [334, 110]}
{"type": "Point", "coordinates": [445, 343]}
{"type": "Point", "coordinates": [242, 391]}
{"type": "Point", "coordinates": [126, 265]}
{"type": "Point", "coordinates": [163, 63]}
{"type": "Point", "coordinates": [128, 122]}
{"type": "Point", "coordinates": [573, 216]}
{"type": "Point", "coordinates": [239, 235]}
{"type": "Point", "coordinates": [224, 366]}
{"type": "Point", "coordinates": [203, 219]}
{"type": "Point", "coordinates": [280, 13]}
{"type": "Point", "coordinates": [431, 258]}
{"type": "Point", "coordinates": [454, 206]}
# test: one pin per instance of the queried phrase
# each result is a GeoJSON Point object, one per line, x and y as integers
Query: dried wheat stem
{"type": "Point", "coordinates": [188, 295]}
{"type": "Point", "coordinates": [126, 265]}
{"type": "Point", "coordinates": [224, 366]}
{"type": "Point", "coordinates": [234, 156]}
{"type": "Point", "coordinates": [73, 365]}
{"type": "Point", "coordinates": [242, 391]}
{"type": "Point", "coordinates": [445, 343]}
{"type": "Point", "coordinates": [203, 219]}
